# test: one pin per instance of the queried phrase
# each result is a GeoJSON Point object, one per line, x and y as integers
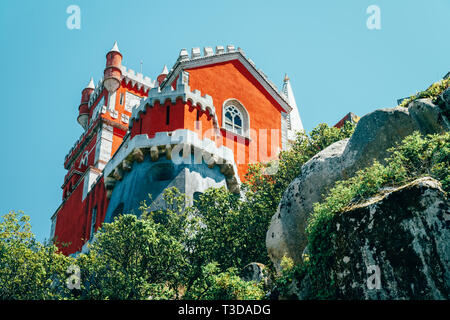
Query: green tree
{"type": "Point", "coordinates": [29, 270]}
{"type": "Point", "coordinates": [230, 233]}
{"type": "Point", "coordinates": [140, 258]}
{"type": "Point", "coordinates": [233, 227]}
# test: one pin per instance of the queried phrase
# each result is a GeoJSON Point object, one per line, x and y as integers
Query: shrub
{"type": "Point", "coordinates": [216, 285]}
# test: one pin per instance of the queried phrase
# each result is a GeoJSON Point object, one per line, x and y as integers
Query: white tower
{"type": "Point", "coordinates": [294, 124]}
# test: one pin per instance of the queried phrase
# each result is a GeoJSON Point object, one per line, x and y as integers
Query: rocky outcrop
{"type": "Point", "coordinates": [375, 133]}
{"type": "Point", "coordinates": [286, 233]}
{"type": "Point", "coordinates": [255, 271]}
{"type": "Point", "coordinates": [428, 116]}
{"type": "Point", "coordinates": [394, 246]}
{"type": "Point", "coordinates": [445, 103]}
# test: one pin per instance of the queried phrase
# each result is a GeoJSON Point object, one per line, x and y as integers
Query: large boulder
{"type": "Point", "coordinates": [429, 117]}
{"type": "Point", "coordinates": [374, 134]}
{"type": "Point", "coordinates": [394, 246]}
{"type": "Point", "coordinates": [286, 233]}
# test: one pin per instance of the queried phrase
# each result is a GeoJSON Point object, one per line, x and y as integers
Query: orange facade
{"type": "Point", "coordinates": [231, 80]}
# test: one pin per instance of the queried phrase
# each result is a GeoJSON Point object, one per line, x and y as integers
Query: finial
{"type": "Point", "coordinates": [165, 71]}
{"type": "Point", "coordinates": [91, 84]}
{"type": "Point", "coordinates": [115, 47]}
{"type": "Point", "coordinates": [286, 78]}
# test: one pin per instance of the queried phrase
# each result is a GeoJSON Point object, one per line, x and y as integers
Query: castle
{"type": "Point", "coordinates": [196, 126]}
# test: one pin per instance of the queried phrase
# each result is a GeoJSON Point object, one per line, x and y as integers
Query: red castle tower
{"type": "Point", "coordinates": [196, 126]}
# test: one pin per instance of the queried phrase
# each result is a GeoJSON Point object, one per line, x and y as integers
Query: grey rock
{"type": "Point", "coordinates": [286, 234]}
{"type": "Point", "coordinates": [399, 240]}
{"type": "Point", "coordinates": [255, 271]}
{"type": "Point", "coordinates": [428, 116]}
{"type": "Point", "coordinates": [446, 98]}
{"type": "Point", "coordinates": [374, 134]}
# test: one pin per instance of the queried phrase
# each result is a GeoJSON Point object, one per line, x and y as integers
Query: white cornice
{"type": "Point", "coordinates": [166, 143]}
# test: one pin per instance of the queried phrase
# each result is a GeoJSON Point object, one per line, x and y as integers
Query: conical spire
{"type": "Point", "coordinates": [296, 122]}
{"type": "Point", "coordinates": [91, 84]}
{"type": "Point", "coordinates": [165, 70]}
{"type": "Point", "coordinates": [115, 47]}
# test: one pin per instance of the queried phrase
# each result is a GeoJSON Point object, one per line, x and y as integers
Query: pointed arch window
{"type": "Point", "coordinates": [235, 117]}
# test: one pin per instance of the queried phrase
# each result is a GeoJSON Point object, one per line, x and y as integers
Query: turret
{"type": "Point", "coordinates": [113, 71]}
{"type": "Point", "coordinates": [163, 75]}
{"type": "Point", "coordinates": [83, 109]}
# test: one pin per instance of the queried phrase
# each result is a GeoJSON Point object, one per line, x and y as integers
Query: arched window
{"type": "Point", "coordinates": [235, 117]}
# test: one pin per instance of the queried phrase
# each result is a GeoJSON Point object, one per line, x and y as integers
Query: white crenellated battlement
{"type": "Point", "coordinates": [208, 53]}
{"type": "Point", "coordinates": [136, 78]}
{"type": "Point", "coordinates": [178, 146]}
{"type": "Point", "coordinates": [129, 75]}
{"type": "Point", "coordinates": [196, 52]}
{"type": "Point", "coordinates": [182, 91]}
{"type": "Point", "coordinates": [97, 91]}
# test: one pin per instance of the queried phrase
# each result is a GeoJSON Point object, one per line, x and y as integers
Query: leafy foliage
{"type": "Point", "coordinates": [432, 92]}
{"type": "Point", "coordinates": [134, 258]}
{"type": "Point", "coordinates": [290, 276]}
{"type": "Point", "coordinates": [216, 285]}
{"type": "Point", "coordinates": [29, 270]}
{"type": "Point", "coordinates": [232, 234]}
{"type": "Point", "coordinates": [270, 188]}
{"type": "Point", "coordinates": [180, 252]}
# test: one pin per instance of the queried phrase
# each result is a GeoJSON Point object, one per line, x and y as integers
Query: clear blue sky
{"type": "Point", "coordinates": [335, 63]}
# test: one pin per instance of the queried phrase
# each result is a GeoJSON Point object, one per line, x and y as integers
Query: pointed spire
{"type": "Point", "coordinates": [296, 122]}
{"type": "Point", "coordinates": [162, 76]}
{"type": "Point", "coordinates": [165, 70]}
{"type": "Point", "coordinates": [91, 84]}
{"type": "Point", "coordinates": [115, 47]}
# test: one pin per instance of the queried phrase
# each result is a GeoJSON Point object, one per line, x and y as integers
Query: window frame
{"type": "Point", "coordinates": [244, 126]}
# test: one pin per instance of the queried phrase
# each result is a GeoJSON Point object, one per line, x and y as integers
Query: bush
{"type": "Point", "coordinates": [216, 285]}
